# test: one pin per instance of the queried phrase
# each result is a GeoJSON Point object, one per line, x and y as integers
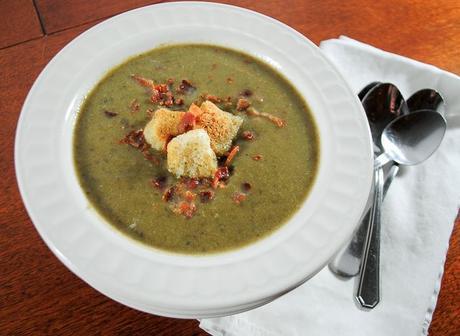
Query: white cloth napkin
{"type": "Point", "coordinates": [418, 216]}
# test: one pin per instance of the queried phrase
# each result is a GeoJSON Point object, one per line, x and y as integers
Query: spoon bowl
{"type": "Point", "coordinates": [383, 103]}
{"type": "Point", "coordinates": [427, 99]}
{"type": "Point", "coordinates": [412, 138]}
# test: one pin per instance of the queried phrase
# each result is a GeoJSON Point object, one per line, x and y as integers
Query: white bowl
{"type": "Point", "coordinates": [172, 284]}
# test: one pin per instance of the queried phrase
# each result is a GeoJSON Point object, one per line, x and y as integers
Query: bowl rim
{"type": "Point", "coordinates": [106, 283]}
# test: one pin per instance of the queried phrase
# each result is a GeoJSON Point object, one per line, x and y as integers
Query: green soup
{"type": "Point", "coordinates": [279, 164]}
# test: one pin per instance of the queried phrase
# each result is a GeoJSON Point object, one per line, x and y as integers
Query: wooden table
{"type": "Point", "coordinates": [38, 295]}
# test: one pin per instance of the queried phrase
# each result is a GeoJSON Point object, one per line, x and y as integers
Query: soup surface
{"type": "Point", "coordinates": [270, 175]}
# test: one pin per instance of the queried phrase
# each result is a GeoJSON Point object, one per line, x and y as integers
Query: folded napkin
{"type": "Point", "coordinates": [418, 216]}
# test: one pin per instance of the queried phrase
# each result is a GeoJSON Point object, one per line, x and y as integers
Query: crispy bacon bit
{"type": "Point", "coordinates": [167, 99]}
{"type": "Point", "coordinates": [206, 196]}
{"type": "Point", "coordinates": [136, 139]}
{"type": "Point", "coordinates": [150, 113]}
{"type": "Point", "coordinates": [162, 88]}
{"type": "Point", "coordinates": [242, 104]}
{"type": "Point", "coordinates": [231, 155]}
{"type": "Point", "coordinates": [187, 209]}
{"type": "Point", "coordinates": [212, 98]}
{"type": "Point", "coordinates": [248, 135]}
{"type": "Point", "coordinates": [159, 182]}
{"type": "Point", "coordinates": [277, 121]}
{"type": "Point", "coordinates": [192, 183]}
{"type": "Point", "coordinates": [246, 93]}
{"type": "Point", "coordinates": [178, 101]}
{"type": "Point", "coordinates": [220, 174]}
{"type": "Point", "coordinates": [189, 196]}
{"type": "Point", "coordinates": [160, 93]}
{"type": "Point", "coordinates": [257, 157]}
{"type": "Point", "coordinates": [187, 122]}
{"type": "Point", "coordinates": [110, 114]}
{"type": "Point", "coordinates": [246, 186]}
{"type": "Point", "coordinates": [134, 106]}
{"type": "Point", "coordinates": [155, 97]}
{"type": "Point", "coordinates": [169, 194]}
{"type": "Point", "coordinates": [238, 197]}
{"type": "Point", "coordinates": [229, 80]}
{"type": "Point", "coordinates": [144, 81]}
{"type": "Point", "coordinates": [185, 86]}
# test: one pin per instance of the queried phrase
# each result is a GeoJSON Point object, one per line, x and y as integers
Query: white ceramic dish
{"type": "Point", "coordinates": [180, 285]}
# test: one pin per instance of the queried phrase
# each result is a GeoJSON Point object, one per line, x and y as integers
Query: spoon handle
{"type": "Point", "coordinates": [381, 160]}
{"type": "Point", "coordinates": [368, 293]}
{"type": "Point", "coordinates": [347, 262]}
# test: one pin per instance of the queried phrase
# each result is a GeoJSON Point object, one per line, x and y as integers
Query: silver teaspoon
{"type": "Point", "coordinates": [408, 140]}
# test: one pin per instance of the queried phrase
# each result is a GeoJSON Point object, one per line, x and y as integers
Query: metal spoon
{"type": "Point", "coordinates": [427, 99]}
{"type": "Point", "coordinates": [409, 139]}
{"type": "Point", "coordinates": [386, 105]}
{"type": "Point", "coordinates": [382, 102]}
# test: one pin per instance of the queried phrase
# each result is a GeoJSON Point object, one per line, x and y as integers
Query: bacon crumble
{"type": "Point", "coordinates": [187, 209]}
{"type": "Point", "coordinates": [161, 93]}
{"type": "Point", "coordinates": [221, 174]}
{"type": "Point", "coordinates": [242, 104]}
{"type": "Point", "coordinates": [136, 139]}
{"type": "Point", "coordinates": [248, 135]}
{"type": "Point", "coordinates": [110, 114]}
{"type": "Point", "coordinates": [212, 98]}
{"type": "Point", "coordinates": [231, 155]}
{"type": "Point", "coordinates": [134, 106]}
{"type": "Point", "coordinates": [238, 197]}
{"type": "Point", "coordinates": [206, 196]}
{"type": "Point", "coordinates": [187, 122]}
{"type": "Point", "coordinates": [246, 186]}
{"type": "Point", "coordinates": [169, 194]}
{"type": "Point", "coordinates": [185, 87]}
{"type": "Point", "coordinates": [276, 120]}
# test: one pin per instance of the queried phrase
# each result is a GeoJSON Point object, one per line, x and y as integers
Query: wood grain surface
{"type": "Point", "coordinates": [19, 22]}
{"type": "Point", "coordinates": [38, 295]}
{"type": "Point", "coordinates": [59, 15]}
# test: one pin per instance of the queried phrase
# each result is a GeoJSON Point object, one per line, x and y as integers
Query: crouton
{"type": "Point", "coordinates": [221, 126]}
{"type": "Point", "coordinates": [190, 154]}
{"type": "Point", "coordinates": [163, 126]}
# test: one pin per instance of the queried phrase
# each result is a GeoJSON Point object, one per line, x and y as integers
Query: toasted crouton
{"type": "Point", "coordinates": [163, 126]}
{"type": "Point", "coordinates": [221, 126]}
{"type": "Point", "coordinates": [190, 154]}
